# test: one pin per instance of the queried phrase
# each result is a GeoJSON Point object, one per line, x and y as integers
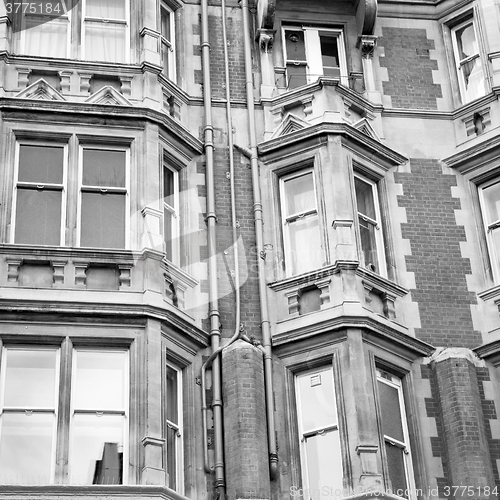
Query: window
{"type": "Point", "coordinates": [84, 425]}
{"type": "Point", "coordinates": [395, 434]}
{"type": "Point", "coordinates": [320, 451]}
{"type": "Point", "coordinates": [167, 30]}
{"type": "Point", "coordinates": [171, 213]}
{"type": "Point", "coordinates": [39, 197]}
{"type": "Point", "coordinates": [313, 52]}
{"type": "Point", "coordinates": [173, 429]}
{"type": "Point", "coordinates": [103, 193]}
{"type": "Point", "coordinates": [48, 28]}
{"type": "Point", "coordinates": [301, 231]}
{"type": "Point", "coordinates": [489, 197]}
{"type": "Point", "coordinates": [369, 222]}
{"type": "Point", "coordinates": [468, 61]}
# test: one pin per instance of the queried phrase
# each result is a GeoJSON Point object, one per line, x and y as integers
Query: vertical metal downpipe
{"type": "Point", "coordinates": [212, 252]}
{"type": "Point", "coordinates": [259, 236]}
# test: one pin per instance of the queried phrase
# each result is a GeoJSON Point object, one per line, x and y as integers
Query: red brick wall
{"type": "Point", "coordinates": [409, 67]}
{"type": "Point", "coordinates": [440, 270]}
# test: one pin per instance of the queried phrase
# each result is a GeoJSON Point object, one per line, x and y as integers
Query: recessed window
{"type": "Point", "coordinates": [171, 213]}
{"type": "Point", "coordinates": [395, 433]}
{"type": "Point", "coordinates": [301, 230]}
{"type": "Point", "coordinates": [173, 428]}
{"type": "Point", "coordinates": [313, 52]}
{"type": "Point", "coordinates": [468, 63]}
{"type": "Point", "coordinates": [489, 196]}
{"type": "Point", "coordinates": [92, 432]}
{"type": "Point", "coordinates": [39, 194]}
{"type": "Point", "coordinates": [103, 194]}
{"type": "Point", "coordinates": [369, 223]}
{"type": "Point", "coordinates": [167, 30]}
{"type": "Point", "coordinates": [320, 451]}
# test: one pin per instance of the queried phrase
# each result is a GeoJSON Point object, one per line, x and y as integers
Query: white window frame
{"type": "Point", "coordinates": [289, 219]}
{"type": "Point", "coordinates": [377, 224]}
{"type": "Point", "coordinates": [459, 63]}
{"type": "Point", "coordinates": [125, 412]}
{"type": "Point", "coordinates": [174, 211]}
{"type": "Point", "coordinates": [125, 22]}
{"type": "Point", "coordinates": [489, 227]}
{"type": "Point", "coordinates": [303, 435]}
{"type": "Point", "coordinates": [63, 186]}
{"type": "Point", "coordinates": [179, 452]}
{"type": "Point", "coordinates": [168, 45]}
{"type": "Point", "coordinates": [112, 189]}
{"type": "Point", "coordinates": [66, 17]}
{"type": "Point", "coordinates": [396, 383]}
{"type": "Point", "coordinates": [314, 65]}
{"type": "Point", "coordinates": [45, 410]}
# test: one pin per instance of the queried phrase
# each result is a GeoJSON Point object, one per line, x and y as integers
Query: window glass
{"type": "Point", "coordinates": [99, 380]}
{"type": "Point", "coordinates": [46, 38]}
{"type": "Point", "coordinates": [172, 396]}
{"type": "Point", "coordinates": [491, 196]}
{"type": "Point", "coordinates": [41, 164]}
{"type": "Point", "coordinates": [391, 411]}
{"type": "Point", "coordinates": [466, 40]}
{"type": "Point", "coordinates": [299, 194]}
{"type": "Point", "coordinates": [330, 55]}
{"type": "Point", "coordinates": [364, 198]}
{"type": "Point", "coordinates": [165, 23]}
{"type": "Point", "coordinates": [396, 467]}
{"type": "Point", "coordinates": [105, 42]}
{"type": "Point", "coordinates": [106, 9]}
{"type": "Point", "coordinates": [295, 45]}
{"type": "Point", "coordinates": [30, 379]}
{"type": "Point", "coordinates": [103, 167]}
{"type": "Point", "coordinates": [26, 448]}
{"type": "Point", "coordinates": [169, 187]}
{"type": "Point", "coordinates": [305, 252]}
{"type": "Point", "coordinates": [173, 431]}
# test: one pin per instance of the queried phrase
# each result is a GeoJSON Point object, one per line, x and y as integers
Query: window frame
{"type": "Point", "coordinates": [168, 70]}
{"type": "Point", "coordinates": [111, 189]}
{"type": "Point", "coordinates": [173, 210]}
{"type": "Point", "coordinates": [407, 448]}
{"type": "Point", "coordinates": [312, 48]}
{"type": "Point", "coordinates": [378, 224]}
{"type": "Point", "coordinates": [285, 220]}
{"type": "Point", "coordinates": [63, 185]}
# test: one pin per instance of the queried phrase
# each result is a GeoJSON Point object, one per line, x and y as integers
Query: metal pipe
{"type": "Point", "coordinates": [212, 262]}
{"type": "Point", "coordinates": [259, 236]}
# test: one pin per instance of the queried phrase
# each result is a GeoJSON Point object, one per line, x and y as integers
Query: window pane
{"type": "Point", "coordinates": [46, 38]}
{"type": "Point", "coordinates": [103, 220]}
{"type": "Point", "coordinates": [96, 455]}
{"type": "Point", "coordinates": [299, 194]}
{"type": "Point", "coordinates": [295, 45]}
{"type": "Point", "coordinates": [172, 457]}
{"type": "Point", "coordinates": [296, 75]}
{"type": "Point", "coordinates": [495, 236]}
{"type": "Point", "coordinates": [396, 467]}
{"type": "Point", "coordinates": [26, 448]}
{"type": "Point", "coordinates": [106, 9]}
{"type": "Point", "coordinates": [41, 164]}
{"type": "Point", "coordinates": [169, 187]}
{"type": "Point", "coordinates": [491, 196]}
{"type": "Point", "coordinates": [38, 217]}
{"type": "Point", "coordinates": [165, 23]}
{"type": "Point", "coordinates": [330, 54]}
{"type": "Point", "coordinates": [99, 380]}
{"type": "Point", "coordinates": [391, 411]}
{"type": "Point", "coordinates": [105, 41]}
{"type": "Point", "coordinates": [364, 198]}
{"type": "Point", "coordinates": [368, 244]}
{"type": "Point", "coordinates": [305, 250]}
{"type": "Point", "coordinates": [466, 41]}
{"type": "Point", "coordinates": [473, 79]}
{"type": "Point", "coordinates": [317, 400]}
{"type": "Point", "coordinates": [167, 233]}
{"type": "Point", "coordinates": [172, 396]}
{"type": "Point", "coordinates": [103, 168]}
{"type": "Point", "coordinates": [324, 463]}
{"type": "Point", "coordinates": [30, 379]}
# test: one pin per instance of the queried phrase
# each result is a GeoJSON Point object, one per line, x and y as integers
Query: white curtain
{"type": "Point", "coordinates": [49, 39]}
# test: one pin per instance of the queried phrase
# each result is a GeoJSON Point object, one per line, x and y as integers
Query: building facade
{"type": "Point", "coordinates": [249, 250]}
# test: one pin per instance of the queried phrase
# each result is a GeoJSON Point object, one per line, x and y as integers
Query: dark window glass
{"type": "Point", "coordinates": [103, 168]}
{"type": "Point", "coordinates": [396, 466]}
{"type": "Point", "coordinates": [41, 164]}
{"type": "Point", "coordinates": [330, 55]}
{"type": "Point", "coordinates": [391, 411]}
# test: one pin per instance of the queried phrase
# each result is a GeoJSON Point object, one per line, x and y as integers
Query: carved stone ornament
{"type": "Point", "coordinates": [266, 40]}
{"type": "Point", "coordinates": [367, 44]}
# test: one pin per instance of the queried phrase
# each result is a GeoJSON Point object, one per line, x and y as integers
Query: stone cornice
{"type": "Point", "coordinates": [490, 352]}
{"type": "Point", "coordinates": [419, 9]}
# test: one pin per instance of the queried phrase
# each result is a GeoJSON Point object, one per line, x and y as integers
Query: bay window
{"type": "Point", "coordinates": [395, 434]}
{"type": "Point", "coordinates": [103, 192]}
{"type": "Point", "coordinates": [84, 424]}
{"type": "Point", "coordinates": [489, 197]}
{"type": "Point", "coordinates": [39, 196]}
{"type": "Point", "coordinates": [301, 230]}
{"type": "Point", "coordinates": [468, 63]}
{"type": "Point", "coordinates": [313, 52]}
{"type": "Point", "coordinates": [369, 223]}
{"type": "Point", "coordinates": [320, 451]}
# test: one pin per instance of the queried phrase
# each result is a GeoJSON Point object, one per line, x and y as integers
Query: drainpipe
{"type": "Point", "coordinates": [212, 262]}
{"type": "Point", "coordinates": [259, 236]}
